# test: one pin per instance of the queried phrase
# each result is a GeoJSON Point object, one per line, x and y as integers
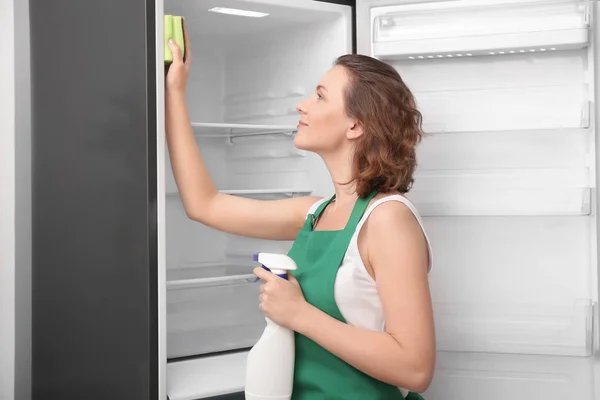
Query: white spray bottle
{"type": "Point", "coordinates": [270, 365]}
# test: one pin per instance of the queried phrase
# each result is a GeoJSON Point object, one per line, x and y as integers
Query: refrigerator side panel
{"type": "Point", "coordinates": [161, 245]}
{"type": "Point", "coordinates": [15, 204]}
{"type": "Point", "coordinates": [595, 67]}
{"type": "Point", "coordinates": [7, 203]}
{"type": "Point", "coordinates": [22, 203]}
{"type": "Point", "coordinates": [350, 3]}
{"type": "Point", "coordinates": [95, 306]}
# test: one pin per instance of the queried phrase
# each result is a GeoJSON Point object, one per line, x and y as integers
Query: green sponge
{"type": "Point", "coordinates": [173, 30]}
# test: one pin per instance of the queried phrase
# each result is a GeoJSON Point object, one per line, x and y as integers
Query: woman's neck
{"type": "Point", "coordinates": [340, 169]}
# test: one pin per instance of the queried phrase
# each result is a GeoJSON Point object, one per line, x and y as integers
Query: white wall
{"type": "Point", "coordinates": [15, 202]}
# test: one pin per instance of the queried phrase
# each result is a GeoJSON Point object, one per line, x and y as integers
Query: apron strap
{"type": "Point", "coordinates": [320, 209]}
{"type": "Point", "coordinates": [357, 211]}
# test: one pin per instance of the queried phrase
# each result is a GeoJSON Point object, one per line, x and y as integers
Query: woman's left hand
{"type": "Point", "coordinates": [281, 300]}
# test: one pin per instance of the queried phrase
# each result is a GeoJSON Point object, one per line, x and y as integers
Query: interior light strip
{"type": "Point", "coordinates": [235, 11]}
{"type": "Point", "coordinates": [490, 53]}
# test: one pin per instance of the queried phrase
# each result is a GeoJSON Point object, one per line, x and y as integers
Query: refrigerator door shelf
{"type": "Point", "coordinates": [475, 46]}
{"type": "Point", "coordinates": [516, 328]}
{"type": "Point", "coordinates": [438, 129]}
{"type": "Point", "coordinates": [529, 110]}
{"type": "Point", "coordinates": [477, 376]}
{"type": "Point", "coordinates": [503, 178]}
{"type": "Point", "coordinates": [469, 28]}
{"type": "Point", "coordinates": [502, 202]}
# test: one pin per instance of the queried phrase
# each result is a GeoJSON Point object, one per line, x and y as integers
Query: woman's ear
{"type": "Point", "coordinates": [355, 131]}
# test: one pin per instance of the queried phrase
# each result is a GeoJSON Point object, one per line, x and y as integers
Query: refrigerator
{"type": "Point", "coordinates": [133, 300]}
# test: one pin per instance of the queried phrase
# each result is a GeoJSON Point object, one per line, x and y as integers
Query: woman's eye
{"type": "Point", "coordinates": [319, 96]}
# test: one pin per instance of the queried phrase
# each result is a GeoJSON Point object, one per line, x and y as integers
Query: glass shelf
{"type": "Point", "coordinates": [262, 193]}
{"type": "Point", "coordinates": [291, 192]}
{"type": "Point", "coordinates": [209, 275]}
{"type": "Point", "coordinates": [209, 129]}
{"type": "Point", "coordinates": [469, 28]}
{"type": "Point", "coordinates": [231, 280]}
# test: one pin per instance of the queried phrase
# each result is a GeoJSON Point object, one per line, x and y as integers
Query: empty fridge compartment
{"type": "Point", "coordinates": [246, 79]}
{"type": "Point", "coordinates": [516, 329]}
{"type": "Point", "coordinates": [212, 309]}
{"type": "Point", "coordinates": [469, 28]}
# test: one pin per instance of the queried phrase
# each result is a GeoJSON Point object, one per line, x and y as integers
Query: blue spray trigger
{"type": "Point", "coordinates": [263, 267]}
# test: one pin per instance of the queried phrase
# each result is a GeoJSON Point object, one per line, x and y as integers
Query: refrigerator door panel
{"type": "Point", "coordinates": [489, 76]}
{"type": "Point", "coordinates": [95, 227]}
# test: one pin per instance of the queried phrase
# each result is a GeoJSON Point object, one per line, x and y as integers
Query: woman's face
{"type": "Point", "coordinates": [324, 125]}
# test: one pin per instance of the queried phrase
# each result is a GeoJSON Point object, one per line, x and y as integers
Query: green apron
{"type": "Point", "coordinates": [318, 373]}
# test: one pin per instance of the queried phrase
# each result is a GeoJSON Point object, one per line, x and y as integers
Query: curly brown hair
{"type": "Point", "coordinates": [384, 157]}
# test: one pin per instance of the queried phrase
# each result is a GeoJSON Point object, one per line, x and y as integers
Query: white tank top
{"type": "Point", "coordinates": [355, 290]}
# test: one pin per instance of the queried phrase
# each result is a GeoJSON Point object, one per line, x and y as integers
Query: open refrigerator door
{"type": "Point", "coordinates": [506, 184]}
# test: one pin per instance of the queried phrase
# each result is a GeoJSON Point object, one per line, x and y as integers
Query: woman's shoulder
{"type": "Point", "coordinates": [391, 203]}
{"type": "Point", "coordinates": [391, 208]}
{"type": "Point", "coordinates": [391, 219]}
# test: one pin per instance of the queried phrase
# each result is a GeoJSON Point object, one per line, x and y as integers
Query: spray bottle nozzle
{"type": "Point", "coordinates": [278, 264]}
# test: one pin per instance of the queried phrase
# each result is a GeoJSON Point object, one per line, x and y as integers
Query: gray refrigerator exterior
{"type": "Point", "coordinates": [94, 284]}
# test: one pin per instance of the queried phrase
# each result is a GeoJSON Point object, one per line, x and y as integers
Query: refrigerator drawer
{"type": "Point", "coordinates": [211, 310]}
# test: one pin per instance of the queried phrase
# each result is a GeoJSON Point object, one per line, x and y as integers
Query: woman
{"type": "Point", "coordinates": [359, 301]}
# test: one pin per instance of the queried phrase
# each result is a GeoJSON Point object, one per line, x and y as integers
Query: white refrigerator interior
{"type": "Point", "coordinates": [506, 181]}
{"type": "Point", "coordinates": [248, 75]}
